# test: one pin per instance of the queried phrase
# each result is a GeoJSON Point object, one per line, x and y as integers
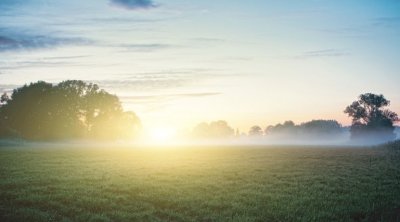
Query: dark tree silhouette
{"type": "Point", "coordinates": [255, 131]}
{"type": "Point", "coordinates": [5, 131]}
{"type": "Point", "coordinates": [370, 120]}
{"type": "Point", "coordinates": [71, 109]}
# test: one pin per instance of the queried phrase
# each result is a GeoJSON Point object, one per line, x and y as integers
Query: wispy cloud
{"type": "Point", "coordinates": [10, 3]}
{"type": "Point", "coordinates": [166, 97]}
{"type": "Point", "coordinates": [204, 39]}
{"type": "Point", "coordinates": [386, 21]}
{"type": "Point", "coordinates": [157, 102]}
{"type": "Point", "coordinates": [38, 64]}
{"type": "Point", "coordinates": [134, 4]}
{"type": "Point", "coordinates": [145, 47]}
{"type": "Point", "coordinates": [155, 81]}
{"type": "Point", "coordinates": [16, 40]}
{"type": "Point", "coordinates": [322, 53]}
{"type": "Point", "coordinates": [145, 83]}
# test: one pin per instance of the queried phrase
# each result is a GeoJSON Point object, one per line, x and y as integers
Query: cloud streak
{"type": "Point", "coordinates": [145, 83]}
{"type": "Point", "coordinates": [322, 53]}
{"type": "Point", "coordinates": [145, 47]}
{"type": "Point", "coordinates": [22, 41]}
{"type": "Point", "coordinates": [157, 102]}
{"type": "Point", "coordinates": [387, 21]}
{"type": "Point", "coordinates": [134, 4]}
{"type": "Point", "coordinates": [167, 97]}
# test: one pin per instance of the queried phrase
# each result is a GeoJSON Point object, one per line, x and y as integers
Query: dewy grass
{"type": "Point", "coordinates": [199, 184]}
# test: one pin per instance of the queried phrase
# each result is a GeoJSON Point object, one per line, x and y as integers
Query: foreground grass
{"type": "Point", "coordinates": [199, 184]}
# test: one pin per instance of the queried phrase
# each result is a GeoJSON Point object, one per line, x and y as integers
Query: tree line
{"type": "Point", "coordinates": [371, 120]}
{"type": "Point", "coordinates": [74, 109]}
{"type": "Point", "coordinates": [221, 129]}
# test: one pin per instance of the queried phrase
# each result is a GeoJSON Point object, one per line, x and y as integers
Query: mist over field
{"type": "Point", "coordinates": [282, 140]}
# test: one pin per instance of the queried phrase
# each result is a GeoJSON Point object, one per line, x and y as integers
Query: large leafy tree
{"type": "Point", "coordinates": [370, 118]}
{"type": "Point", "coordinates": [70, 109]}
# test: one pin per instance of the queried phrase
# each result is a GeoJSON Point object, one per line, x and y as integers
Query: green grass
{"type": "Point", "coordinates": [199, 184]}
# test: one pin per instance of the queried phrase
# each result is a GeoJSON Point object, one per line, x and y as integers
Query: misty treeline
{"type": "Point", "coordinates": [71, 109]}
{"type": "Point", "coordinates": [371, 122]}
{"type": "Point", "coordinates": [74, 109]}
{"type": "Point", "coordinates": [317, 128]}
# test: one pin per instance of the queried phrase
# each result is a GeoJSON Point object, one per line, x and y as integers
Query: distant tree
{"type": "Point", "coordinates": [288, 127]}
{"type": "Point", "coordinates": [221, 129]}
{"type": "Point", "coordinates": [216, 129]}
{"type": "Point", "coordinates": [255, 131]}
{"type": "Point", "coordinates": [5, 131]}
{"type": "Point", "coordinates": [70, 109]}
{"type": "Point", "coordinates": [370, 119]}
{"type": "Point", "coordinates": [313, 128]}
{"type": "Point", "coordinates": [288, 124]}
{"type": "Point", "coordinates": [4, 99]}
{"type": "Point", "coordinates": [201, 130]}
{"type": "Point", "coordinates": [269, 129]}
{"type": "Point", "coordinates": [321, 127]}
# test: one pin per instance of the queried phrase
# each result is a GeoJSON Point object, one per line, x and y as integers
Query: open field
{"type": "Point", "coordinates": [199, 184]}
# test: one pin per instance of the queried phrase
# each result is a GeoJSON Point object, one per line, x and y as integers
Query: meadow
{"type": "Point", "coordinates": [199, 184]}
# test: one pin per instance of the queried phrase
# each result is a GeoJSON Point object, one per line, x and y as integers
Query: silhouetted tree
{"type": "Point", "coordinates": [70, 109]}
{"type": "Point", "coordinates": [313, 128]}
{"type": "Point", "coordinates": [5, 131]}
{"type": "Point", "coordinates": [4, 99]}
{"type": "Point", "coordinates": [255, 131]}
{"type": "Point", "coordinates": [321, 127]}
{"type": "Point", "coordinates": [288, 127]}
{"type": "Point", "coordinates": [369, 118]}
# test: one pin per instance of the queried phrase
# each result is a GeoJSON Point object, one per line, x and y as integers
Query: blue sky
{"type": "Point", "coordinates": [182, 62]}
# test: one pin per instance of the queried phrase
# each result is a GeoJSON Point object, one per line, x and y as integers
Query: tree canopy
{"type": "Point", "coordinates": [370, 119]}
{"type": "Point", "coordinates": [216, 129]}
{"type": "Point", "coordinates": [71, 109]}
{"type": "Point", "coordinates": [255, 131]}
{"type": "Point", "coordinates": [313, 128]}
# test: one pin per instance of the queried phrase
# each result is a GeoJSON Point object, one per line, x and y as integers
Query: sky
{"type": "Point", "coordinates": [177, 63]}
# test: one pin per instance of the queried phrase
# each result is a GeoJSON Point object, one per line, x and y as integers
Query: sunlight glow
{"type": "Point", "coordinates": [162, 135]}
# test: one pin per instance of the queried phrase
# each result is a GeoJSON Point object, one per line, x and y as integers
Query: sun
{"type": "Point", "coordinates": [162, 134]}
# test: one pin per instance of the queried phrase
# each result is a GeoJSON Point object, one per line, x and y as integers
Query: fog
{"type": "Point", "coordinates": [311, 133]}
{"type": "Point", "coordinates": [341, 139]}
{"type": "Point", "coordinates": [286, 140]}
{"type": "Point", "coordinates": [298, 138]}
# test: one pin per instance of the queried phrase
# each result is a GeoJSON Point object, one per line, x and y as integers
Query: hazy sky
{"type": "Point", "coordinates": [180, 62]}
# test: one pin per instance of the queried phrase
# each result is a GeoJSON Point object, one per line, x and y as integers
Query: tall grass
{"type": "Point", "coordinates": [199, 184]}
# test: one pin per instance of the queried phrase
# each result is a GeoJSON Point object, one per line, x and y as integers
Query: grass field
{"type": "Point", "coordinates": [199, 184]}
